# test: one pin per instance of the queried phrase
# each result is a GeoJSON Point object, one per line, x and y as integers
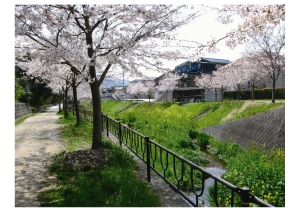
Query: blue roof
{"type": "Point", "coordinates": [213, 60]}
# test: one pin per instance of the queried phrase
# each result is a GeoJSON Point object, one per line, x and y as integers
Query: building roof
{"type": "Point", "coordinates": [214, 60]}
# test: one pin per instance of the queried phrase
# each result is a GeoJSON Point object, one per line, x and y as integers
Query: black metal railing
{"type": "Point", "coordinates": [183, 176]}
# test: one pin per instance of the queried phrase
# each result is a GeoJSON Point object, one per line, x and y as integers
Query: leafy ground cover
{"type": "Point", "coordinates": [88, 178]}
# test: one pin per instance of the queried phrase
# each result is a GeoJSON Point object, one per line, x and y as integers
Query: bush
{"type": "Point", "coordinates": [187, 144]}
{"type": "Point", "coordinates": [193, 134]}
{"type": "Point", "coordinates": [203, 140]}
{"type": "Point", "coordinates": [265, 93]}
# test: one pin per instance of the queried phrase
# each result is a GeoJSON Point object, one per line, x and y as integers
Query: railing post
{"type": "Point", "coordinates": [147, 145]}
{"type": "Point", "coordinates": [107, 130]}
{"type": "Point", "coordinates": [120, 133]}
{"type": "Point", "coordinates": [84, 113]}
{"type": "Point", "coordinates": [73, 111]}
{"type": "Point", "coordinates": [244, 193]}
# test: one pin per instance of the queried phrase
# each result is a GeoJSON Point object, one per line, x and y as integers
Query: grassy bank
{"type": "Point", "coordinates": [178, 128]}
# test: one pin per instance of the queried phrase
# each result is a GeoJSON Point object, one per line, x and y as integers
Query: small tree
{"type": "Point", "coordinates": [136, 89]}
{"type": "Point", "coordinates": [149, 88]}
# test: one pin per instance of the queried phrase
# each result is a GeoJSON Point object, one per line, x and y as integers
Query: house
{"type": "Point", "coordinates": [187, 90]}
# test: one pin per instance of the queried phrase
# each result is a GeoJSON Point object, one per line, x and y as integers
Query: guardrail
{"type": "Point", "coordinates": [183, 176]}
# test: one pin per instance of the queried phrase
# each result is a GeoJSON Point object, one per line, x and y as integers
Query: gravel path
{"type": "Point", "coordinates": [36, 140]}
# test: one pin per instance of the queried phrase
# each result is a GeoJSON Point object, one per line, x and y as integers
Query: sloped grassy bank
{"type": "Point", "coordinates": [178, 128]}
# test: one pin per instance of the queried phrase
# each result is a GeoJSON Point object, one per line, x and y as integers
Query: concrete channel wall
{"type": "Point", "coordinates": [268, 128]}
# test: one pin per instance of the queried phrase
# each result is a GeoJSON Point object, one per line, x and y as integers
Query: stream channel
{"type": "Point", "coordinates": [215, 167]}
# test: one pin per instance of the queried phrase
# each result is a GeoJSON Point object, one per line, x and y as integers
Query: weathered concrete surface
{"type": "Point", "coordinates": [268, 127]}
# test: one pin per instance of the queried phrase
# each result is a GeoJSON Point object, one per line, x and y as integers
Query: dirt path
{"type": "Point", "coordinates": [233, 112]}
{"type": "Point", "coordinates": [36, 140]}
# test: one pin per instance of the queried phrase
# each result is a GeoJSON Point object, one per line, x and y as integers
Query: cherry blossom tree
{"type": "Point", "coordinates": [136, 89]}
{"type": "Point", "coordinates": [52, 72]}
{"type": "Point", "coordinates": [150, 88]}
{"type": "Point", "coordinates": [169, 81]}
{"type": "Point", "coordinates": [242, 71]}
{"type": "Point", "coordinates": [109, 35]}
{"type": "Point", "coordinates": [267, 51]}
{"type": "Point", "coordinates": [254, 18]}
{"type": "Point", "coordinates": [215, 80]}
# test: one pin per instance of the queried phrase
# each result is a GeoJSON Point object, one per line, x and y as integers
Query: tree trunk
{"type": "Point", "coordinates": [166, 95]}
{"type": "Point", "coordinates": [97, 126]}
{"type": "Point", "coordinates": [75, 101]}
{"type": "Point", "coordinates": [273, 92]}
{"type": "Point", "coordinates": [222, 93]}
{"type": "Point", "coordinates": [273, 88]}
{"type": "Point", "coordinates": [65, 104]}
{"type": "Point", "coordinates": [238, 92]}
{"type": "Point", "coordinates": [216, 95]}
{"type": "Point", "coordinates": [59, 101]}
{"type": "Point", "coordinates": [252, 96]}
{"type": "Point", "coordinates": [59, 107]}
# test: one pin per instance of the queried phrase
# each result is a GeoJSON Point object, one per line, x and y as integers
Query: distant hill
{"type": "Point", "coordinates": [111, 82]}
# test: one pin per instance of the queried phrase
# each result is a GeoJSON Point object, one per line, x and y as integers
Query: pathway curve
{"type": "Point", "coordinates": [36, 140]}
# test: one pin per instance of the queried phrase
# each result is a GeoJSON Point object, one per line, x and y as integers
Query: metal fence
{"type": "Point", "coordinates": [183, 176]}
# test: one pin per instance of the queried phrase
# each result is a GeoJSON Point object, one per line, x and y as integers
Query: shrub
{"type": "Point", "coordinates": [203, 140]}
{"type": "Point", "coordinates": [187, 144]}
{"type": "Point", "coordinates": [193, 134]}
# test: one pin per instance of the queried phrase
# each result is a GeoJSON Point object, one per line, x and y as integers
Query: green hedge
{"type": "Point", "coordinates": [265, 93]}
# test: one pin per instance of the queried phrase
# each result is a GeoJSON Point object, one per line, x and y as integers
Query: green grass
{"type": "Point", "coordinates": [76, 136]}
{"type": "Point", "coordinates": [111, 184]}
{"type": "Point", "coordinates": [112, 108]}
{"type": "Point", "coordinates": [253, 110]}
{"type": "Point", "coordinates": [217, 113]}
